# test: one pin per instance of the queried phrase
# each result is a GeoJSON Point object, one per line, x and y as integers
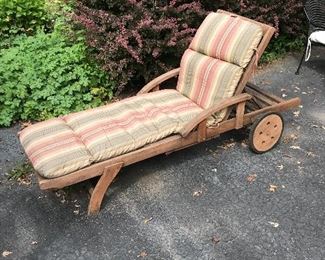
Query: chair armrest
{"type": "Point", "coordinates": [210, 111]}
{"type": "Point", "coordinates": [155, 82]}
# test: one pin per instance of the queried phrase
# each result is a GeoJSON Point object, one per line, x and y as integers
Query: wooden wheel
{"type": "Point", "coordinates": [266, 132]}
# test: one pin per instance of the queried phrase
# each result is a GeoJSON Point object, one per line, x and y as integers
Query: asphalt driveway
{"type": "Point", "coordinates": [217, 200]}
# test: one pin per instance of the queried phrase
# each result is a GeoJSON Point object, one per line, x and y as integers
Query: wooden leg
{"type": "Point", "coordinates": [100, 189]}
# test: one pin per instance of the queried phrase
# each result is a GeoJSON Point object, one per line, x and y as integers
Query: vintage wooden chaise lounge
{"type": "Point", "coordinates": [212, 96]}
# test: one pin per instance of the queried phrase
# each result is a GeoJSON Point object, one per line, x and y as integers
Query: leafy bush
{"type": "Point", "coordinates": [136, 40]}
{"type": "Point", "coordinates": [286, 16]}
{"type": "Point", "coordinates": [280, 46]}
{"type": "Point", "coordinates": [46, 75]}
{"type": "Point", "coordinates": [21, 16]}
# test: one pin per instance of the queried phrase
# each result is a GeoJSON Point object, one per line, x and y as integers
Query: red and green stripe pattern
{"type": "Point", "coordinates": [228, 38]}
{"type": "Point", "coordinates": [60, 146]}
{"type": "Point", "coordinates": [207, 80]}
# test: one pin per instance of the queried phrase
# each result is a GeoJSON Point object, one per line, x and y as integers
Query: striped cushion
{"type": "Point", "coordinates": [76, 140]}
{"type": "Point", "coordinates": [53, 148]}
{"type": "Point", "coordinates": [207, 80]}
{"type": "Point", "coordinates": [227, 37]}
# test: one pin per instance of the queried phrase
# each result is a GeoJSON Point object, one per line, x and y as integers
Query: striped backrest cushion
{"type": "Point", "coordinates": [227, 37]}
{"type": "Point", "coordinates": [207, 80]}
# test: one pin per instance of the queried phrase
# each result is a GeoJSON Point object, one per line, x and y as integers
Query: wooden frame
{"type": "Point", "coordinates": [249, 102]}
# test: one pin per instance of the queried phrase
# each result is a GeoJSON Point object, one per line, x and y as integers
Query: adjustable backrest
{"type": "Point", "coordinates": [214, 63]}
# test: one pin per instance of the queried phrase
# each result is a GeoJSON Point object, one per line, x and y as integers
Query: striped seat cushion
{"type": "Point", "coordinates": [207, 80]}
{"type": "Point", "coordinates": [59, 146]}
{"type": "Point", "coordinates": [228, 38]}
{"type": "Point", "coordinates": [53, 148]}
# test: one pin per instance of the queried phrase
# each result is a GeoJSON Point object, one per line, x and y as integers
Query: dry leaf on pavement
{"type": "Point", "coordinates": [295, 147]}
{"type": "Point", "coordinates": [273, 188]}
{"type": "Point", "coordinates": [290, 138]}
{"type": "Point", "coordinates": [147, 220]}
{"type": "Point", "coordinates": [142, 254]}
{"type": "Point", "coordinates": [215, 239]}
{"type": "Point", "coordinates": [251, 178]}
{"type": "Point", "coordinates": [197, 193]}
{"type": "Point", "coordinates": [296, 113]}
{"type": "Point", "coordinates": [274, 224]}
{"type": "Point", "coordinates": [280, 167]}
{"type": "Point", "coordinates": [6, 253]}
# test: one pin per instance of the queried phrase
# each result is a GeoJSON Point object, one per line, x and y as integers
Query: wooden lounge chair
{"type": "Point", "coordinates": [212, 96]}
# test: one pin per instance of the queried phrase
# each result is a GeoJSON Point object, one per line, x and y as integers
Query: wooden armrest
{"type": "Point", "coordinates": [204, 115]}
{"type": "Point", "coordinates": [155, 82]}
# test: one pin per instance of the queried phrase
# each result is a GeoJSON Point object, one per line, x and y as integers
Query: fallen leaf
{"type": "Point", "coordinates": [147, 220]}
{"type": "Point", "coordinates": [273, 188]}
{"type": "Point", "coordinates": [25, 124]}
{"type": "Point", "coordinates": [26, 180]}
{"type": "Point", "coordinates": [296, 113]}
{"type": "Point", "coordinates": [197, 193]}
{"type": "Point", "coordinates": [311, 154]}
{"type": "Point", "coordinates": [290, 138]}
{"type": "Point", "coordinates": [215, 239]}
{"type": "Point", "coordinates": [274, 224]}
{"type": "Point", "coordinates": [244, 144]}
{"type": "Point", "coordinates": [6, 253]}
{"type": "Point", "coordinates": [280, 167]}
{"type": "Point", "coordinates": [251, 178]}
{"type": "Point", "coordinates": [142, 254]}
{"type": "Point", "coordinates": [231, 143]}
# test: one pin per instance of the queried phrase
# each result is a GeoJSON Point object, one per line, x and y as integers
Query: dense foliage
{"type": "Point", "coordinates": [46, 75]}
{"type": "Point", "coordinates": [286, 16]}
{"type": "Point", "coordinates": [21, 16]}
{"type": "Point", "coordinates": [136, 40]}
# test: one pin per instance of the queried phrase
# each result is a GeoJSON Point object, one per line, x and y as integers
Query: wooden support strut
{"type": "Point", "coordinates": [240, 110]}
{"type": "Point", "coordinates": [100, 189]}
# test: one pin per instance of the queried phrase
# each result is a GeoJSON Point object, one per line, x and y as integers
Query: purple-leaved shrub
{"type": "Point", "coordinates": [136, 40]}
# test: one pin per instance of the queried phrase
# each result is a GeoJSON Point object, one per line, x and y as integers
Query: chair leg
{"type": "Point", "coordinates": [302, 58]}
{"type": "Point", "coordinates": [101, 188]}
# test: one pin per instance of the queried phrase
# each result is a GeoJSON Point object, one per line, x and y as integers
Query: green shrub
{"type": "Point", "coordinates": [45, 75]}
{"type": "Point", "coordinates": [21, 16]}
{"type": "Point", "coordinates": [280, 46]}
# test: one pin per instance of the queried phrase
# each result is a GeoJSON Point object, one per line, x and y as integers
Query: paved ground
{"type": "Point", "coordinates": [200, 203]}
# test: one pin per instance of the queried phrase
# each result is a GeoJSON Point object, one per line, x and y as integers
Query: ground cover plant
{"type": "Point", "coordinates": [45, 75]}
{"type": "Point", "coordinates": [47, 72]}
